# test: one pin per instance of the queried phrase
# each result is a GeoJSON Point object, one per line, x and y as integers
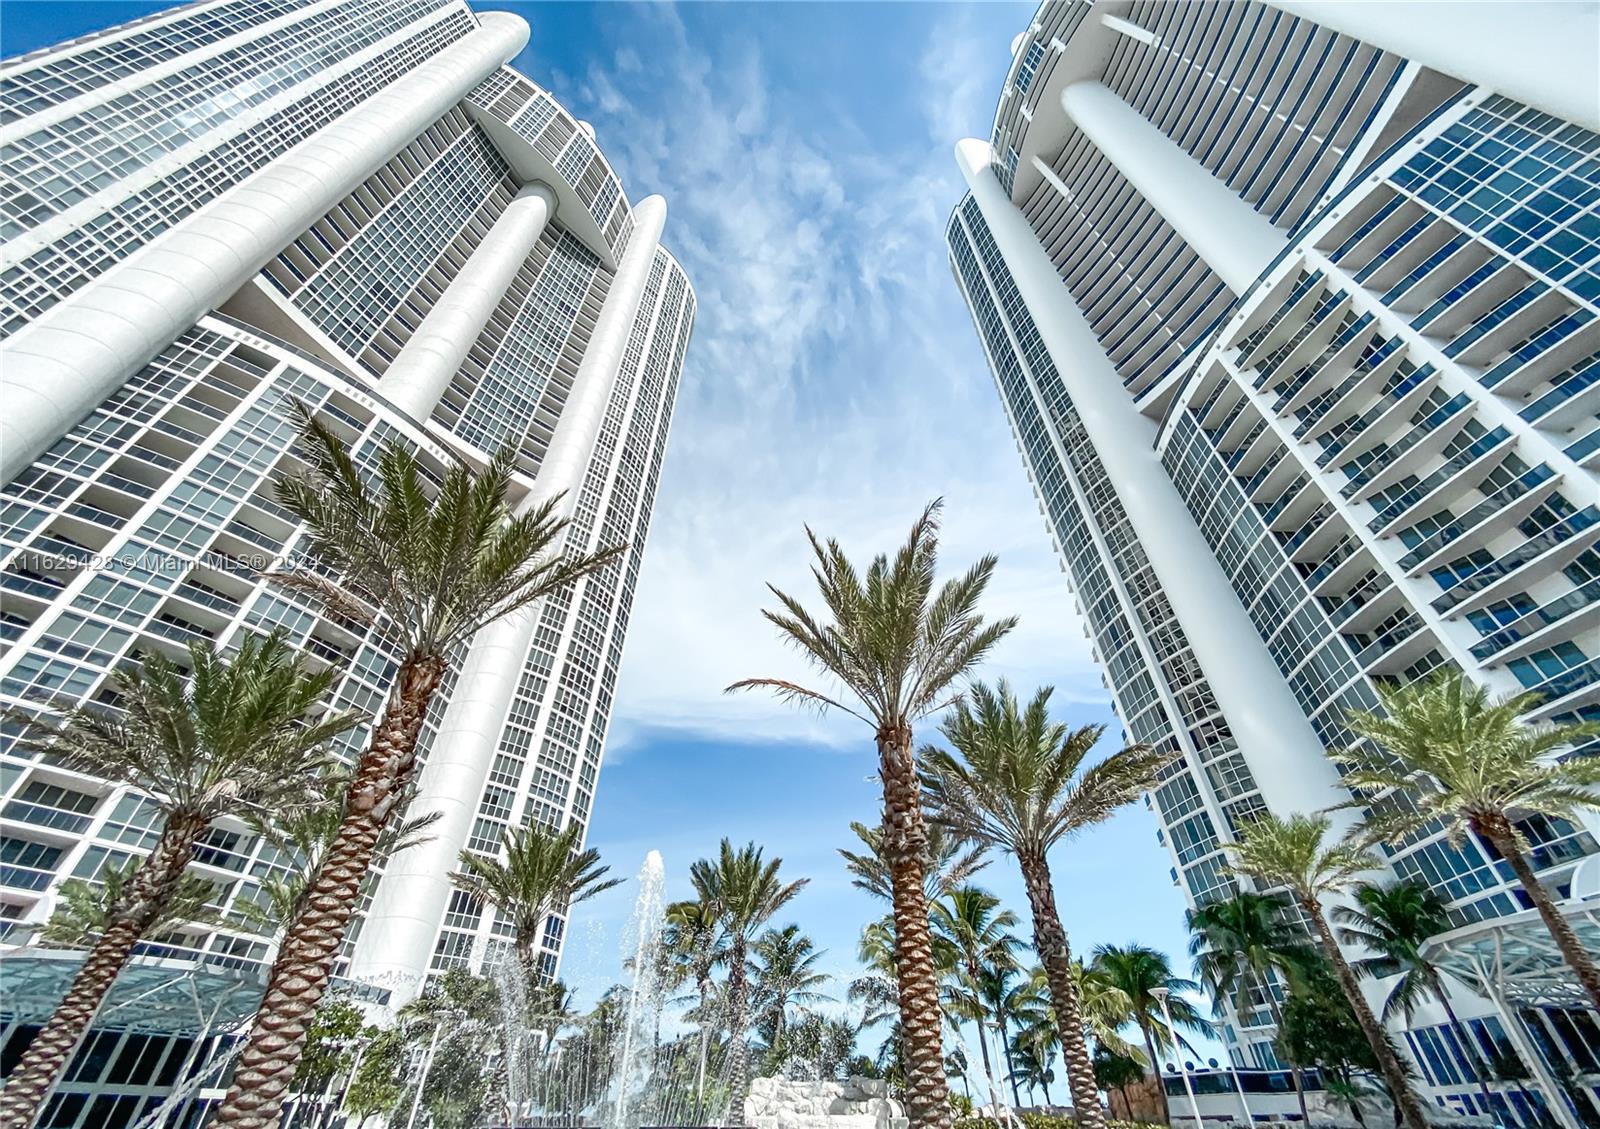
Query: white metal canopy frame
{"type": "Point", "coordinates": [1514, 963]}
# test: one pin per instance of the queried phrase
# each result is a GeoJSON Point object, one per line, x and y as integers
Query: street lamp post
{"type": "Point", "coordinates": [1161, 994]}
{"type": "Point", "coordinates": [1238, 1083]}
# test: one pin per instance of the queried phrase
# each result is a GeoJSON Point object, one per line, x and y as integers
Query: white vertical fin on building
{"type": "Point", "coordinates": [1235, 240]}
{"type": "Point", "coordinates": [1282, 750]}
{"type": "Point", "coordinates": [60, 366]}
{"type": "Point", "coordinates": [423, 370]}
{"type": "Point", "coordinates": [397, 940]}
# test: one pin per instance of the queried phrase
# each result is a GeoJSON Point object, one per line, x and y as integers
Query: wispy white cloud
{"type": "Point", "coordinates": [834, 377]}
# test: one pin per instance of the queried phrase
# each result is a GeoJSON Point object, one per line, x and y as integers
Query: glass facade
{"type": "Point", "coordinates": [1388, 442]}
{"type": "Point", "coordinates": [148, 524]}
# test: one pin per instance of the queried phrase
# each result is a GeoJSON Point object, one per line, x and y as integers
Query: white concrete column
{"type": "Point", "coordinates": [1233, 238]}
{"type": "Point", "coordinates": [396, 943]}
{"type": "Point", "coordinates": [424, 368]}
{"type": "Point", "coordinates": [1277, 742]}
{"type": "Point", "coordinates": [59, 367]}
{"type": "Point", "coordinates": [1541, 52]}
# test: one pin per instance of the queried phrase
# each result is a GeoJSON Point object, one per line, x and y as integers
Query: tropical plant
{"type": "Point", "coordinates": [1295, 853]}
{"type": "Point", "coordinates": [453, 1029]}
{"type": "Point", "coordinates": [230, 736]}
{"type": "Point", "coordinates": [1031, 1065]}
{"type": "Point", "coordinates": [428, 568]}
{"type": "Point", "coordinates": [544, 872]}
{"type": "Point", "coordinates": [1001, 995]}
{"type": "Point", "coordinates": [1103, 1006]}
{"type": "Point", "coordinates": [1394, 923]}
{"type": "Point", "coordinates": [1469, 763]}
{"type": "Point", "coordinates": [1116, 1071]}
{"type": "Point", "coordinates": [898, 648]}
{"type": "Point", "coordinates": [1319, 1029]}
{"type": "Point", "coordinates": [1020, 782]}
{"type": "Point", "coordinates": [747, 893]}
{"type": "Point", "coordinates": [304, 836]}
{"type": "Point", "coordinates": [783, 974]}
{"type": "Point", "coordinates": [1142, 975]}
{"type": "Point", "coordinates": [970, 921]}
{"type": "Point", "coordinates": [949, 863]}
{"type": "Point", "coordinates": [694, 943]}
{"type": "Point", "coordinates": [337, 1037]}
{"type": "Point", "coordinates": [1240, 945]}
{"type": "Point", "coordinates": [84, 910]}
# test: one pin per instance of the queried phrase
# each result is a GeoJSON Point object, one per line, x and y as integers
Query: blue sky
{"type": "Point", "coordinates": [805, 154]}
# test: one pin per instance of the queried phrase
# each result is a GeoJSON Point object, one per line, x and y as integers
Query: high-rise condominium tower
{"type": "Point", "coordinates": [1292, 309]}
{"type": "Point", "coordinates": [354, 203]}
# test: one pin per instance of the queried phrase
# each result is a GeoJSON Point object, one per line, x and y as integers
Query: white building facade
{"type": "Point", "coordinates": [359, 204]}
{"type": "Point", "coordinates": [1292, 307]}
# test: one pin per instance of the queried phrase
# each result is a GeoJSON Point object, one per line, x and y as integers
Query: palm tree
{"type": "Point", "coordinates": [998, 992]}
{"type": "Point", "coordinates": [1295, 853]}
{"type": "Point", "coordinates": [85, 910]}
{"type": "Point", "coordinates": [1473, 765]}
{"type": "Point", "coordinates": [747, 893]}
{"type": "Point", "coordinates": [1032, 1065]}
{"type": "Point", "coordinates": [1239, 945]}
{"type": "Point", "coordinates": [783, 968]}
{"type": "Point", "coordinates": [898, 648]}
{"type": "Point", "coordinates": [695, 943]}
{"type": "Point", "coordinates": [430, 567]}
{"type": "Point", "coordinates": [233, 737]}
{"type": "Point", "coordinates": [1104, 1006]}
{"type": "Point", "coordinates": [950, 863]}
{"type": "Point", "coordinates": [1018, 781]}
{"type": "Point", "coordinates": [978, 931]}
{"type": "Point", "coordinates": [1141, 973]}
{"type": "Point", "coordinates": [544, 873]}
{"type": "Point", "coordinates": [1394, 923]}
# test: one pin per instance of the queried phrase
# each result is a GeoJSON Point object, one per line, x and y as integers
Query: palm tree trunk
{"type": "Point", "coordinates": [1155, 1069]}
{"type": "Point", "coordinates": [1499, 832]}
{"type": "Point", "coordinates": [1045, 1086]}
{"type": "Point", "coordinates": [146, 895]}
{"type": "Point", "coordinates": [1005, 1045]}
{"type": "Point", "coordinates": [988, 1066]}
{"type": "Point", "coordinates": [905, 843]}
{"type": "Point", "coordinates": [1467, 1045]}
{"type": "Point", "coordinates": [1050, 943]}
{"type": "Point", "coordinates": [305, 958]}
{"type": "Point", "coordinates": [1407, 1108]}
{"type": "Point", "coordinates": [738, 1048]}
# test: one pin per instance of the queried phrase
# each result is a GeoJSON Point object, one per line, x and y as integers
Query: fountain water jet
{"type": "Point", "coordinates": [643, 1014]}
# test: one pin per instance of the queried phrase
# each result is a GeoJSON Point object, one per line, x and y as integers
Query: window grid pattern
{"type": "Point", "coordinates": [54, 167]}
{"type": "Point", "coordinates": [53, 272]}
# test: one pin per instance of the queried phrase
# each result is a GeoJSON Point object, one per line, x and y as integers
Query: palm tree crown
{"type": "Point", "coordinates": [950, 863]}
{"type": "Point", "coordinates": [431, 562]}
{"type": "Point", "coordinates": [1472, 763]}
{"type": "Point", "coordinates": [1017, 780]}
{"type": "Point", "coordinates": [747, 893]}
{"type": "Point", "coordinates": [245, 736]}
{"type": "Point", "coordinates": [1394, 923]}
{"type": "Point", "coordinates": [783, 968]}
{"type": "Point", "coordinates": [1238, 943]}
{"type": "Point", "coordinates": [543, 872]}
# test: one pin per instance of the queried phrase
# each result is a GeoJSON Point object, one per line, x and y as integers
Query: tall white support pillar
{"type": "Point", "coordinates": [1233, 238]}
{"type": "Point", "coordinates": [424, 368]}
{"type": "Point", "coordinates": [1277, 742]}
{"type": "Point", "coordinates": [59, 367]}
{"type": "Point", "coordinates": [397, 940]}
